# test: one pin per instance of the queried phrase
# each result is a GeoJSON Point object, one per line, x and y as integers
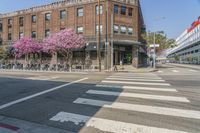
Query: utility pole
{"type": "Point", "coordinates": [154, 58]}
{"type": "Point", "coordinates": [106, 43]}
{"type": "Point", "coordinates": [112, 51]}
{"type": "Point", "coordinates": [154, 47]}
{"type": "Point", "coordinates": [98, 42]}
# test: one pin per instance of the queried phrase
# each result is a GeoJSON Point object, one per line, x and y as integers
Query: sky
{"type": "Point", "coordinates": [170, 16]}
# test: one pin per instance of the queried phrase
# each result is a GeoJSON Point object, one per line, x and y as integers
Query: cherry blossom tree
{"type": "Point", "coordinates": [26, 46]}
{"type": "Point", "coordinates": [63, 43]}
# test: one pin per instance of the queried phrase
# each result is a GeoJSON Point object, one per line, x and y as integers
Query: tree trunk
{"type": "Point", "coordinates": [54, 60]}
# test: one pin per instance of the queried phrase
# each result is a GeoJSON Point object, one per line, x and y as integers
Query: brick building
{"type": "Point", "coordinates": [121, 26]}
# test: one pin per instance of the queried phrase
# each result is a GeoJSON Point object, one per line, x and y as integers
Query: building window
{"type": "Point", "coordinates": [1, 26]}
{"type": "Point", "coordinates": [116, 29]}
{"type": "Point", "coordinates": [9, 36]}
{"type": "Point", "coordinates": [47, 16]}
{"type": "Point", "coordinates": [47, 33]}
{"type": "Point", "coordinates": [34, 18]}
{"type": "Point", "coordinates": [97, 9]}
{"type": "Point", "coordinates": [97, 29]}
{"type": "Point", "coordinates": [78, 54]}
{"type": "Point", "coordinates": [123, 29]}
{"type": "Point", "coordinates": [80, 12]}
{"type": "Point", "coordinates": [130, 11]}
{"type": "Point", "coordinates": [21, 21]}
{"type": "Point", "coordinates": [9, 23]}
{"type": "Point", "coordinates": [116, 9]}
{"type": "Point", "coordinates": [123, 10]}
{"type": "Point", "coordinates": [130, 31]}
{"type": "Point", "coordinates": [80, 29]}
{"type": "Point", "coordinates": [62, 14]}
{"type": "Point", "coordinates": [1, 42]}
{"type": "Point", "coordinates": [21, 35]}
{"type": "Point", "coordinates": [33, 34]}
{"type": "Point", "coordinates": [93, 55]}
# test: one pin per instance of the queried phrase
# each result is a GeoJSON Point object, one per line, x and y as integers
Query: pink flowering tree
{"type": "Point", "coordinates": [63, 43]}
{"type": "Point", "coordinates": [26, 46]}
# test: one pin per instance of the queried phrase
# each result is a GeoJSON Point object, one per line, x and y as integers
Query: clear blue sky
{"type": "Point", "coordinates": [179, 14]}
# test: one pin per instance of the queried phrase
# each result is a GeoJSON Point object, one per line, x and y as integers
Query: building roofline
{"type": "Point", "coordinates": [57, 5]}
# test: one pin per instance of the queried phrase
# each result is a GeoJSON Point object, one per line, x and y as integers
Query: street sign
{"type": "Point", "coordinates": [156, 45]}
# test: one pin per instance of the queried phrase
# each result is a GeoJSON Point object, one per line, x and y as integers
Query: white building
{"type": "Point", "coordinates": [188, 45]}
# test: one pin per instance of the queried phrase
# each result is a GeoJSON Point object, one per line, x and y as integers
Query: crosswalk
{"type": "Point", "coordinates": [177, 71]}
{"type": "Point", "coordinates": [122, 86]}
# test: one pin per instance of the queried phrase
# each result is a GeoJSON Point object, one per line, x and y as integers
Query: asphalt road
{"type": "Point", "coordinates": [166, 101]}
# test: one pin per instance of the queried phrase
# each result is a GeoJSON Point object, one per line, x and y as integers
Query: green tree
{"type": "Point", "coordinates": [6, 52]}
{"type": "Point", "coordinates": [160, 38]}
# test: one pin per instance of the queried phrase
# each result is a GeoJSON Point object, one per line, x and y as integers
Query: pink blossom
{"type": "Point", "coordinates": [26, 46]}
{"type": "Point", "coordinates": [64, 40]}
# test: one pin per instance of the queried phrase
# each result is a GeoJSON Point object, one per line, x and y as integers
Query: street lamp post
{"type": "Point", "coordinates": [154, 45]}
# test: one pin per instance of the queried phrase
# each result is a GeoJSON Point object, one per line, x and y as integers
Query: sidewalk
{"type": "Point", "coordinates": [130, 68]}
{"type": "Point", "coordinates": [12, 125]}
{"type": "Point", "coordinates": [197, 67]}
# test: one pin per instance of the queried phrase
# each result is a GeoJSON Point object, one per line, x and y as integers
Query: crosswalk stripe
{"type": "Point", "coordinates": [138, 95]}
{"type": "Point", "coordinates": [107, 125]}
{"type": "Point", "coordinates": [136, 77]}
{"type": "Point", "coordinates": [150, 80]}
{"type": "Point", "coordinates": [193, 70]}
{"type": "Point", "coordinates": [141, 108]}
{"type": "Point", "coordinates": [138, 83]}
{"type": "Point", "coordinates": [160, 71]}
{"type": "Point", "coordinates": [138, 88]}
{"type": "Point", "coordinates": [175, 71]}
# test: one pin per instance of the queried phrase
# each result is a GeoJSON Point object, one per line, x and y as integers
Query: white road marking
{"type": "Point", "coordinates": [145, 80]}
{"type": "Point", "coordinates": [160, 71]}
{"type": "Point", "coordinates": [106, 125]}
{"type": "Point", "coordinates": [193, 70]}
{"type": "Point", "coordinates": [41, 78]}
{"type": "Point", "coordinates": [141, 108]}
{"type": "Point", "coordinates": [139, 95]}
{"type": "Point", "coordinates": [139, 88]}
{"type": "Point", "coordinates": [38, 94]}
{"type": "Point", "coordinates": [175, 71]}
{"type": "Point", "coordinates": [135, 77]}
{"type": "Point", "coordinates": [55, 77]}
{"type": "Point", "coordinates": [135, 83]}
{"type": "Point", "coordinates": [133, 74]}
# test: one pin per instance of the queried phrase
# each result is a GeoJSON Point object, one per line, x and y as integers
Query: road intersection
{"type": "Point", "coordinates": [156, 102]}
